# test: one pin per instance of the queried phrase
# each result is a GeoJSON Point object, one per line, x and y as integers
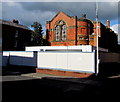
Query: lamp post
{"type": "Point", "coordinates": [97, 46]}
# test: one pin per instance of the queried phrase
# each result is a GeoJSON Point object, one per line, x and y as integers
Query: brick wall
{"type": "Point", "coordinates": [80, 31]}
{"type": "Point", "coordinates": [71, 30]}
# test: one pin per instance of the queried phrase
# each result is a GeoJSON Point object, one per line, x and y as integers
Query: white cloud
{"type": "Point", "coordinates": [28, 12]}
{"type": "Point", "coordinates": [27, 17]}
{"type": "Point", "coordinates": [116, 29]}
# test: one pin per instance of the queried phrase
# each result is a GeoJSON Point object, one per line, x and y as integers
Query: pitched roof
{"type": "Point", "coordinates": [79, 19]}
{"type": "Point", "coordinates": [10, 23]}
{"type": "Point", "coordinates": [59, 13]}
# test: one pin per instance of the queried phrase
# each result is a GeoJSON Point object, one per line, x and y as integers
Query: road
{"type": "Point", "coordinates": [25, 88]}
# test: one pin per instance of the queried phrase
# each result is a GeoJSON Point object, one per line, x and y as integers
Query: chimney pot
{"type": "Point", "coordinates": [108, 23]}
{"type": "Point", "coordinates": [15, 21]}
{"type": "Point", "coordinates": [83, 15]}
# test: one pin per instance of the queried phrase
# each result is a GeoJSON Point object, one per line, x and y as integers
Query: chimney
{"type": "Point", "coordinates": [83, 16]}
{"type": "Point", "coordinates": [15, 21]}
{"type": "Point", "coordinates": [108, 23]}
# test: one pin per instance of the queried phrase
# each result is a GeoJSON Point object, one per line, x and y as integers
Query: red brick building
{"type": "Point", "coordinates": [64, 30]}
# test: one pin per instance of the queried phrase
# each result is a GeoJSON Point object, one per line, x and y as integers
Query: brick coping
{"type": "Point", "coordinates": [64, 73]}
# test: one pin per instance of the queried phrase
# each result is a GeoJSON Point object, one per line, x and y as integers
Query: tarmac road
{"type": "Point", "coordinates": [22, 88]}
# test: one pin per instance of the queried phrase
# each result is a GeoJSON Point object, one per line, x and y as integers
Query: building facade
{"type": "Point", "coordinates": [14, 36]}
{"type": "Point", "coordinates": [64, 30]}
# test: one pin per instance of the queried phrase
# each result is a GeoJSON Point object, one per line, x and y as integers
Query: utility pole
{"type": "Point", "coordinates": [97, 46]}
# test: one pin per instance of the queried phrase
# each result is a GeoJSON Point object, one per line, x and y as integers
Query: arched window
{"type": "Point", "coordinates": [60, 31]}
{"type": "Point", "coordinates": [57, 33]}
{"type": "Point", "coordinates": [64, 32]}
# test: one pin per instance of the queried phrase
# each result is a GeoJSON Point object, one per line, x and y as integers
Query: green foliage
{"type": "Point", "coordinates": [36, 36]}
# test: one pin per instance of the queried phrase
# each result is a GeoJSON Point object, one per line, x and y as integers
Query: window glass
{"type": "Point", "coordinates": [60, 31]}
{"type": "Point", "coordinates": [64, 32]}
{"type": "Point", "coordinates": [57, 33]}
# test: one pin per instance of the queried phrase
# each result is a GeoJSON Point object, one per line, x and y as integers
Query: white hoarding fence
{"type": "Point", "coordinates": [82, 48]}
{"type": "Point", "coordinates": [67, 61]}
{"type": "Point", "coordinates": [5, 58]}
{"type": "Point", "coordinates": [21, 58]}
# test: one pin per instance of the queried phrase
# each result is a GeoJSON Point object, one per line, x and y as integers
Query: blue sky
{"type": "Point", "coordinates": [29, 12]}
{"type": "Point", "coordinates": [113, 22]}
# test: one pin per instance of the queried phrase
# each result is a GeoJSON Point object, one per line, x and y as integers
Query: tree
{"type": "Point", "coordinates": [37, 39]}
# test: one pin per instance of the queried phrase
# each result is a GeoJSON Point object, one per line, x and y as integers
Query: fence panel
{"type": "Point", "coordinates": [81, 62]}
{"type": "Point", "coordinates": [68, 61]}
{"type": "Point", "coordinates": [5, 56]}
{"type": "Point", "coordinates": [23, 58]}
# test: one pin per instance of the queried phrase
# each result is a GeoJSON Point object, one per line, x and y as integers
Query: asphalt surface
{"type": "Point", "coordinates": [40, 87]}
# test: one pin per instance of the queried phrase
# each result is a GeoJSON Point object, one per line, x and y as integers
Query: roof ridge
{"type": "Point", "coordinates": [10, 23]}
{"type": "Point", "coordinates": [59, 13]}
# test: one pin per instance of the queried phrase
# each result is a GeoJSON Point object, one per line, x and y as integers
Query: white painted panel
{"type": "Point", "coordinates": [62, 60]}
{"type": "Point", "coordinates": [81, 62]}
{"type": "Point", "coordinates": [77, 62]}
{"type": "Point", "coordinates": [23, 58]}
{"type": "Point", "coordinates": [83, 48]}
{"type": "Point", "coordinates": [22, 53]}
{"type": "Point", "coordinates": [5, 56]}
{"type": "Point", "coordinates": [16, 60]}
{"type": "Point", "coordinates": [47, 60]}
{"type": "Point", "coordinates": [6, 53]}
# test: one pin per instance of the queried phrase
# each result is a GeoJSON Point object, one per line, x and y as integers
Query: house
{"type": "Point", "coordinates": [14, 35]}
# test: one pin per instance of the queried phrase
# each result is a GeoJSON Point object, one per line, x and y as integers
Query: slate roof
{"type": "Point", "coordinates": [10, 23]}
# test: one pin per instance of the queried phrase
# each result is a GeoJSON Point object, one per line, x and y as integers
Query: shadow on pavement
{"type": "Point", "coordinates": [109, 69]}
{"type": "Point", "coordinates": [17, 70]}
{"type": "Point", "coordinates": [46, 89]}
{"type": "Point", "coordinates": [62, 89]}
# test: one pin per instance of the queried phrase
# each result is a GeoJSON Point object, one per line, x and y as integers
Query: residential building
{"type": "Point", "coordinates": [14, 35]}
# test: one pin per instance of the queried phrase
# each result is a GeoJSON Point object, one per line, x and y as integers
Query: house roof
{"type": "Point", "coordinates": [59, 13]}
{"type": "Point", "coordinates": [79, 19]}
{"type": "Point", "coordinates": [10, 23]}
